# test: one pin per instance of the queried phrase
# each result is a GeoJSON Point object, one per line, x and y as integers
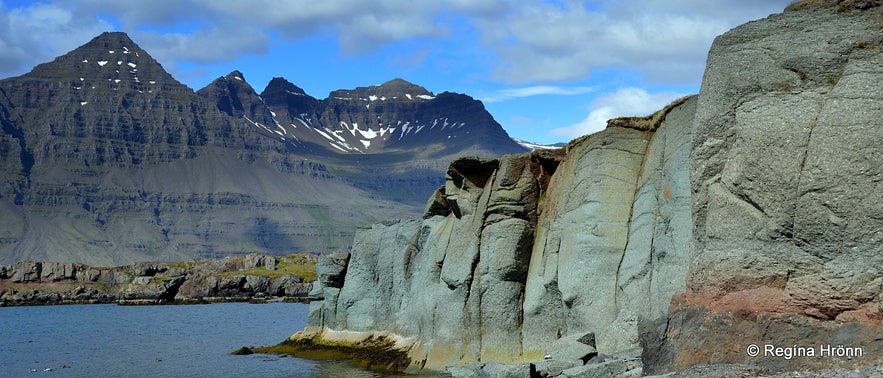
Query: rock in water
{"type": "Point", "coordinates": [244, 351]}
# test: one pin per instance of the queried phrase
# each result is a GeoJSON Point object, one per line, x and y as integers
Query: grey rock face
{"type": "Point", "coordinates": [660, 241]}
{"type": "Point", "coordinates": [758, 200]}
{"type": "Point", "coordinates": [514, 253]}
{"type": "Point", "coordinates": [449, 280]}
{"type": "Point", "coordinates": [581, 240]}
{"type": "Point", "coordinates": [618, 237]}
{"type": "Point", "coordinates": [787, 186]}
{"type": "Point", "coordinates": [787, 192]}
{"type": "Point", "coordinates": [331, 269]}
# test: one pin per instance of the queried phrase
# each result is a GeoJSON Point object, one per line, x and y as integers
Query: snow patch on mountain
{"type": "Point", "coordinates": [537, 146]}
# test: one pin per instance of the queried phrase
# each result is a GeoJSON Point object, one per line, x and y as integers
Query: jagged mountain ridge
{"type": "Point", "coordinates": [106, 159]}
{"type": "Point", "coordinates": [402, 157]}
{"type": "Point", "coordinates": [393, 116]}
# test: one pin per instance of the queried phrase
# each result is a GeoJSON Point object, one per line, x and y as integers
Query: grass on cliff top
{"type": "Point", "coordinates": [303, 266]}
{"type": "Point", "coordinates": [835, 5]}
{"type": "Point", "coordinates": [650, 122]}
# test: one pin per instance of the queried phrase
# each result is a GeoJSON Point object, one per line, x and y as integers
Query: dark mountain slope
{"type": "Point", "coordinates": [393, 116]}
{"type": "Point", "coordinates": [106, 159]}
{"type": "Point", "coordinates": [394, 140]}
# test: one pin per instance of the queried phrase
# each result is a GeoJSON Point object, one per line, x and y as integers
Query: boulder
{"type": "Point", "coordinates": [27, 271]}
{"type": "Point", "coordinates": [495, 370]}
{"type": "Point", "coordinates": [256, 260]}
{"type": "Point", "coordinates": [605, 369]}
{"type": "Point", "coordinates": [580, 346]}
{"type": "Point", "coordinates": [244, 351]}
{"type": "Point", "coordinates": [553, 368]}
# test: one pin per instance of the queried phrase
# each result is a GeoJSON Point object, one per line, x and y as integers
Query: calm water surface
{"type": "Point", "coordinates": [155, 341]}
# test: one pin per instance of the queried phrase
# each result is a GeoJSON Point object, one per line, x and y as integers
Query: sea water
{"type": "Point", "coordinates": [155, 341]}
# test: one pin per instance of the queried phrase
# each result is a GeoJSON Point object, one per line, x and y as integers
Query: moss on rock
{"type": "Point", "coordinates": [835, 5]}
{"type": "Point", "coordinates": [647, 123]}
{"type": "Point", "coordinates": [377, 353]}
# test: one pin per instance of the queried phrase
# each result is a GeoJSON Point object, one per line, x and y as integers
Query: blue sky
{"type": "Point", "coordinates": [548, 70]}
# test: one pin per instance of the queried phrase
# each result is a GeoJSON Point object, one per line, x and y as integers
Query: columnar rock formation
{"type": "Point", "coordinates": [755, 205]}
{"type": "Point", "coordinates": [787, 179]}
{"type": "Point", "coordinates": [514, 253]}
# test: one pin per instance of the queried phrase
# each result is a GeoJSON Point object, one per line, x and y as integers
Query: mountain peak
{"type": "Point", "coordinates": [280, 85]}
{"type": "Point", "coordinates": [393, 89]}
{"type": "Point", "coordinates": [118, 38]}
{"type": "Point", "coordinates": [402, 84]}
{"type": "Point", "coordinates": [235, 75]}
{"type": "Point", "coordinates": [111, 60]}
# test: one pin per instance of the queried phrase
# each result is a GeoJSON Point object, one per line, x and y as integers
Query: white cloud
{"type": "Point", "coordinates": [206, 45]}
{"type": "Point", "coordinates": [531, 41]}
{"type": "Point", "coordinates": [37, 33]}
{"type": "Point", "coordinates": [624, 102]}
{"type": "Point", "coordinates": [358, 25]}
{"type": "Point", "coordinates": [536, 90]}
{"type": "Point", "coordinates": [667, 40]}
{"type": "Point", "coordinates": [135, 13]}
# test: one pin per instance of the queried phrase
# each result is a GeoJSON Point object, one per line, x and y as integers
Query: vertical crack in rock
{"type": "Point", "coordinates": [652, 251]}
{"type": "Point", "coordinates": [471, 281]}
{"type": "Point", "coordinates": [617, 290]}
{"type": "Point", "coordinates": [799, 187]}
{"type": "Point", "coordinates": [479, 321]}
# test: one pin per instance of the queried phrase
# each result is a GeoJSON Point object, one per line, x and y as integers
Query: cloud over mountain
{"type": "Point", "coordinates": [533, 42]}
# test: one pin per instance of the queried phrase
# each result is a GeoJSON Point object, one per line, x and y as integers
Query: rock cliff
{"type": "Point", "coordinates": [787, 186]}
{"type": "Point", "coordinates": [749, 214]}
{"type": "Point", "coordinates": [252, 277]}
{"type": "Point", "coordinates": [514, 253]}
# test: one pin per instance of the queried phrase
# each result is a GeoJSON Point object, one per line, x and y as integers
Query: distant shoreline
{"type": "Point", "coordinates": [154, 302]}
{"type": "Point", "coordinates": [252, 278]}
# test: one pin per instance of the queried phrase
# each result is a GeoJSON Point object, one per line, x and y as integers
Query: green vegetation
{"type": "Point", "coordinates": [303, 266]}
{"type": "Point", "coordinates": [374, 353]}
{"type": "Point", "coordinates": [647, 123]}
{"type": "Point", "coordinates": [835, 5]}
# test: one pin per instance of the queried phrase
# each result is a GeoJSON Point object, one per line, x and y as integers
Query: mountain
{"type": "Point", "coordinates": [394, 116]}
{"type": "Point", "coordinates": [394, 140]}
{"type": "Point", "coordinates": [106, 159]}
{"type": "Point", "coordinates": [537, 146]}
{"type": "Point", "coordinates": [740, 227]}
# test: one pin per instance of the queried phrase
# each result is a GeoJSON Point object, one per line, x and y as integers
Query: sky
{"type": "Point", "coordinates": [547, 70]}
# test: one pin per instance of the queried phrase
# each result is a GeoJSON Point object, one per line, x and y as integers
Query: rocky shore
{"type": "Point", "coordinates": [253, 277]}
